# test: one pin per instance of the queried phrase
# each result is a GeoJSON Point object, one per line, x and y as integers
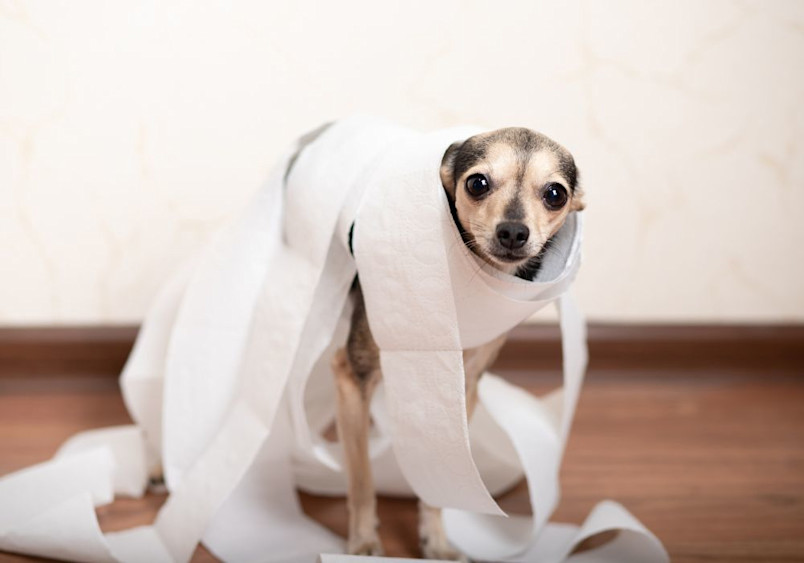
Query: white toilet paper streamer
{"type": "Point", "coordinates": [218, 380]}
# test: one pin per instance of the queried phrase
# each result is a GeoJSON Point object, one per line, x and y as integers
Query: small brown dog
{"type": "Point", "coordinates": [510, 191]}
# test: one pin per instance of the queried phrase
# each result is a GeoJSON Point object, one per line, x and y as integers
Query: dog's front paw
{"type": "Point", "coordinates": [365, 546]}
{"type": "Point", "coordinates": [441, 550]}
{"type": "Point", "coordinates": [156, 480]}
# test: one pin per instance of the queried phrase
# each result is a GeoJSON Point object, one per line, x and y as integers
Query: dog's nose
{"type": "Point", "coordinates": [512, 235]}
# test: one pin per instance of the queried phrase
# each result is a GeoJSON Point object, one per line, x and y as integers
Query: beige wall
{"type": "Point", "coordinates": [130, 130]}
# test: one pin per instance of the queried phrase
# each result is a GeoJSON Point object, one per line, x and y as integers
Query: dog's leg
{"type": "Point", "coordinates": [354, 397]}
{"type": "Point", "coordinates": [433, 537]}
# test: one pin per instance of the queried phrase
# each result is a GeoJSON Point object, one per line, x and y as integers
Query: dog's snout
{"type": "Point", "coordinates": [512, 235]}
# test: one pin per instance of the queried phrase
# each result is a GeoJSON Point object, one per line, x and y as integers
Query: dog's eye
{"type": "Point", "coordinates": [554, 196]}
{"type": "Point", "coordinates": [477, 185]}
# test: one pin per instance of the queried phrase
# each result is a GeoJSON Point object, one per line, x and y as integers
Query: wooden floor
{"type": "Point", "coordinates": [713, 463]}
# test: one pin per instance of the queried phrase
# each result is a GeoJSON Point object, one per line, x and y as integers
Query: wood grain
{"type": "Point", "coordinates": [712, 462]}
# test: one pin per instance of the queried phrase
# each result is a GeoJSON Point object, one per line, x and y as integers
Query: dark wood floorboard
{"type": "Point", "coordinates": [712, 462]}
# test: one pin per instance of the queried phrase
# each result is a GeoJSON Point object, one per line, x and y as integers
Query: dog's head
{"type": "Point", "coordinates": [510, 191]}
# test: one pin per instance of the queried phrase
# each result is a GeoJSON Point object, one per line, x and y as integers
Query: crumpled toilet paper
{"type": "Point", "coordinates": [230, 390]}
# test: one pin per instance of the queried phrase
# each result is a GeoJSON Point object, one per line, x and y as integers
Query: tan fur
{"type": "Point", "coordinates": [502, 167]}
{"type": "Point", "coordinates": [353, 422]}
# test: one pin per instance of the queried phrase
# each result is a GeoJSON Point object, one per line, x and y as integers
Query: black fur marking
{"type": "Point", "coordinates": [468, 154]}
{"type": "Point", "coordinates": [450, 154]}
{"type": "Point", "coordinates": [526, 142]}
{"type": "Point", "coordinates": [531, 268]}
{"type": "Point", "coordinates": [514, 211]}
{"type": "Point", "coordinates": [567, 166]}
{"type": "Point", "coordinates": [361, 349]}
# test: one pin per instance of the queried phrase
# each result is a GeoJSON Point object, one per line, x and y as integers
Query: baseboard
{"type": "Point", "coordinates": [634, 349]}
{"type": "Point", "coordinates": [65, 350]}
{"type": "Point", "coordinates": [665, 348]}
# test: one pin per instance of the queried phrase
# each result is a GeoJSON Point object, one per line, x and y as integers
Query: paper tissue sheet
{"type": "Point", "coordinates": [230, 389]}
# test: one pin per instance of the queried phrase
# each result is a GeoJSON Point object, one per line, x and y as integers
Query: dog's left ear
{"type": "Point", "coordinates": [448, 168]}
{"type": "Point", "coordinates": [578, 203]}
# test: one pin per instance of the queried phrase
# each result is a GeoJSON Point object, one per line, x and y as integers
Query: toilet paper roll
{"type": "Point", "coordinates": [225, 383]}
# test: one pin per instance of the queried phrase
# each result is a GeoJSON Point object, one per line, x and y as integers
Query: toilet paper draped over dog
{"type": "Point", "coordinates": [229, 385]}
{"type": "Point", "coordinates": [428, 298]}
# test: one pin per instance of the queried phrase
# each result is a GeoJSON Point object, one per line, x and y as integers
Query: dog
{"type": "Point", "coordinates": [509, 191]}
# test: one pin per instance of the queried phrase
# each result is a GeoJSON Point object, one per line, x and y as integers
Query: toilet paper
{"type": "Point", "coordinates": [230, 391]}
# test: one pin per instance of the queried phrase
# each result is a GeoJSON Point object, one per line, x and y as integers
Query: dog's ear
{"type": "Point", "coordinates": [578, 203]}
{"type": "Point", "coordinates": [578, 200]}
{"type": "Point", "coordinates": [448, 168]}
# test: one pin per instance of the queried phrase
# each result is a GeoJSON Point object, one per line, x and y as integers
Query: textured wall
{"type": "Point", "coordinates": [130, 130]}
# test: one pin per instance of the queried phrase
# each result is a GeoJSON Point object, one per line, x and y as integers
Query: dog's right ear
{"type": "Point", "coordinates": [448, 169]}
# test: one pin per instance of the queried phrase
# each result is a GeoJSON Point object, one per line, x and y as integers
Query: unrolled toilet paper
{"type": "Point", "coordinates": [229, 388]}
